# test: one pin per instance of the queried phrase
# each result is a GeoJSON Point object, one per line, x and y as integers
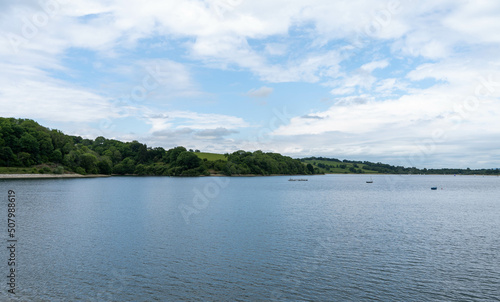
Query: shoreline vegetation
{"type": "Point", "coordinates": [26, 147]}
{"type": "Point", "coordinates": [29, 150]}
{"type": "Point", "coordinates": [74, 175]}
{"type": "Point", "coordinates": [51, 176]}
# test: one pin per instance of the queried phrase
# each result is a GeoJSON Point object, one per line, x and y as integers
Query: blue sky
{"type": "Point", "coordinates": [401, 82]}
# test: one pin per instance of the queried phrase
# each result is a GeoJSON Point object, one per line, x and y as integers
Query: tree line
{"type": "Point", "coordinates": [390, 169]}
{"type": "Point", "coordinates": [25, 143]}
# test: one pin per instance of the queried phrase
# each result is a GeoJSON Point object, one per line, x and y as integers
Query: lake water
{"type": "Point", "coordinates": [331, 238]}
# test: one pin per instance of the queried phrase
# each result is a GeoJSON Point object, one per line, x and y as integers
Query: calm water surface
{"type": "Point", "coordinates": [332, 238]}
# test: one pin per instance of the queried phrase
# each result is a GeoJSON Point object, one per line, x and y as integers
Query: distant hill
{"type": "Point", "coordinates": [333, 165]}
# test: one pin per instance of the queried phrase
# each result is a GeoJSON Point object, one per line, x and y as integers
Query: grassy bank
{"type": "Point", "coordinates": [211, 156]}
{"type": "Point", "coordinates": [338, 167]}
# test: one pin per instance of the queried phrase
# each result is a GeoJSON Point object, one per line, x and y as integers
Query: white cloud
{"type": "Point", "coordinates": [29, 92]}
{"type": "Point", "coordinates": [261, 92]}
{"type": "Point", "coordinates": [357, 80]}
{"type": "Point", "coordinates": [276, 49]}
{"type": "Point", "coordinates": [387, 86]}
{"type": "Point", "coordinates": [173, 79]}
{"type": "Point", "coordinates": [193, 120]}
{"type": "Point", "coordinates": [477, 22]}
{"type": "Point", "coordinates": [343, 90]}
{"type": "Point", "coordinates": [169, 133]}
{"type": "Point", "coordinates": [370, 67]}
{"type": "Point", "coordinates": [216, 133]}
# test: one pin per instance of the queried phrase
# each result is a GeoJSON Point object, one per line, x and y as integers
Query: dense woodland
{"type": "Point", "coordinates": [25, 143]}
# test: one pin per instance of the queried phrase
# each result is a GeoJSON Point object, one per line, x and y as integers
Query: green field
{"type": "Point", "coordinates": [210, 156]}
{"type": "Point", "coordinates": [338, 167]}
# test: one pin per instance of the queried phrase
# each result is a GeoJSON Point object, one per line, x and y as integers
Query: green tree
{"type": "Point", "coordinates": [25, 159]}
{"type": "Point", "coordinates": [67, 148]}
{"type": "Point", "coordinates": [7, 157]}
{"type": "Point", "coordinates": [188, 160]}
{"type": "Point", "coordinates": [104, 165]}
{"type": "Point", "coordinates": [116, 156]}
{"type": "Point", "coordinates": [72, 159]}
{"type": "Point", "coordinates": [126, 166]}
{"type": "Point", "coordinates": [56, 156]}
{"type": "Point", "coordinates": [172, 154]}
{"type": "Point", "coordinates": [45, 144]}
{"type": "Point", "coordinates": [141, 169]}
{"type": "Point", "coordinates": [58, 138]}
{"type": "Point", "coordinates": [29, 143]}
{"type": "Point", "coordinates": [99, 141]}
{"type": "Point", "coordinates": [88, 162]}
{"type": "Point", "coordinates": [142, 154]}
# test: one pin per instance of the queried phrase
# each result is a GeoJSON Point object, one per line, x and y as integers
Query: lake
{"type": "Point", "coordinates": [331, 238]}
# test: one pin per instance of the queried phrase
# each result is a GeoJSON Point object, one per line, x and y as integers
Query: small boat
{"type": "Point", "coordinates": [434, 188]}
{"type": "Point", "coordinates": [369, 181]}
{"type": "Point", "coordinates": [297, 179]}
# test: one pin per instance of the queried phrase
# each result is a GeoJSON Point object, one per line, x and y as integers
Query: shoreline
{"type": "Point", "coordinates": [48, 176]}
{"type": "Point", "coordinates": [69, 176]}
{"type": "Point", "coordinates": [55, 176]}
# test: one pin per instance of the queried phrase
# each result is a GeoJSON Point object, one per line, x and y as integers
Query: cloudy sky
{"type": "Point", "coordinates": [412, 83]}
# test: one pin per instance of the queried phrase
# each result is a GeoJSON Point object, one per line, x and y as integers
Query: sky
{"type": "Point", "coordinates": [409, 83]}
